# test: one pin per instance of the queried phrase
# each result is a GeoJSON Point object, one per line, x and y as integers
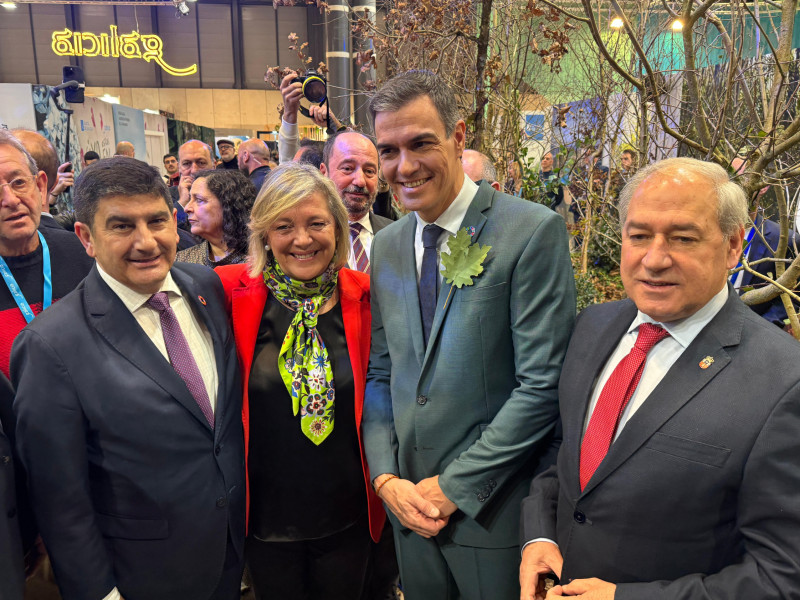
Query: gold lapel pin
{"type": "Point", "coordinates": [203, 302]}
{"type": "Point", "coordinates": [706, 362]}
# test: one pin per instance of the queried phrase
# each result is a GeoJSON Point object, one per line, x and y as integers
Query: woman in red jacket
{"type": "Point", "coordinates": [302, 329]}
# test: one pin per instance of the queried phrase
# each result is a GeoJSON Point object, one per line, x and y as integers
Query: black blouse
{"type": "Point", "coordinates": [298, 490]}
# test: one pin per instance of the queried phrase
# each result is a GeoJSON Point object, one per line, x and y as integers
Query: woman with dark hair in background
{"type": "Point", "coordinates": [218, 211]}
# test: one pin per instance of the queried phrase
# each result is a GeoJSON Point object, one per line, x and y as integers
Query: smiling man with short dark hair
{"type": "Point", "coordinates": [128, 408]}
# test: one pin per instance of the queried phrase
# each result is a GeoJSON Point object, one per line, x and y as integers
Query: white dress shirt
{"type": "Point", "coordinates": [450, 220]}
{"type": "Point", "coordinates": [659, 360]}
{"type": "Point", "coordinates": [195, 332]}
{"type": "Point", "coordinates": [365, 235]}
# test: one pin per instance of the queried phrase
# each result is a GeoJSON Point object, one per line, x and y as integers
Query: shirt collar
{"type": "Point", "coordinates": [365, 222]}
{"type": "Point", "coordinates": [685, 330]}
{"type": "Point", "coordinates": [134, 300]}
{"type": "Point", "coordinates": [450, 220]}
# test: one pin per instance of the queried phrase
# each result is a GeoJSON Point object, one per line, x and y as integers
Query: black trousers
{"type": "Point", "coordinates": [333, 567]}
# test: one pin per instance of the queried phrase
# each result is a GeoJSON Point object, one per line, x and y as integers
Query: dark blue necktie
{"type": "Point", "coordinates": [429, 277]}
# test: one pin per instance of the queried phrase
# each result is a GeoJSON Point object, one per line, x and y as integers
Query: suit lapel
{"type": "Point", "coordinates": [408, 277]}
{"type": "Point", "coordinates": [681, 383]}
{"type": "Point", "coordinates": [591, 358]}
{"type": "Point", "coordinates": [115, 323]}
{"type": "Point", "coordinates": [474, 217]}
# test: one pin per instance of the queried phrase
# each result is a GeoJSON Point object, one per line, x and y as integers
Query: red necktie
{"type": "Point", "coordinates": [613, 399]}
{"type": "Point", "coordinates": [361, 258]}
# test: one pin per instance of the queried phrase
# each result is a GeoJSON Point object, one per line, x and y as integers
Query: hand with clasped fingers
{"type": "Point", "coordinates": [430, 490]}
{"type": "Point", "coordinates": [586, 589]}
{"type": "Point", "coordinates": [414, 511]}
{"type": "Point", "coordinates": [538, 559]}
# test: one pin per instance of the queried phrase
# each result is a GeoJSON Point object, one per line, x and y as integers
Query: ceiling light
{"type": "Point", "coordinates": [677, 25]}
{"type": "Point", "coordinates": [8, 5]}
{"type": "Point", "coordinates": [616, 23]}
{"type": "Point", "coordinates": [110, 99]}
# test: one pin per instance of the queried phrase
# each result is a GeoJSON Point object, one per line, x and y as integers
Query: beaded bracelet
{"type": "Point", "coordinates": [383, 483]}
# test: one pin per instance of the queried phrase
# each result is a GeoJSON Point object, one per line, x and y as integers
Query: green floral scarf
{"type": "Point", "coordinates": [303, 361]}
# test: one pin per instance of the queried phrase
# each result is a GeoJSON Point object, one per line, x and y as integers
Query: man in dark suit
{"type": "Point", "coordinates": [461, 387]}
{"type": "Point", "coordinates": [128, 408]}
{"type": "Point", "coordinates": [11, 567]}
{"type": "Point", "coordinates": [350, 160]}
{"type": "Point", "coordinates": [677, 476]}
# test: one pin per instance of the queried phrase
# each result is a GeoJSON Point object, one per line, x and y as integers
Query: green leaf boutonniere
{"type": "Point", "coordinates": [464, 260]}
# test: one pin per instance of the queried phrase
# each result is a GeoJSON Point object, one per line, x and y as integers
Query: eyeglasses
{"type": "Point", "coordinates": [20, 185]}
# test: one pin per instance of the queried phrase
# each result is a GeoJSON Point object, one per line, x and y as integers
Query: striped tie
{"type": "Point", "coordinates": [361, 260]}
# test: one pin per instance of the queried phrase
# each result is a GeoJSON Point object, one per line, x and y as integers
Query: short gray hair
{"type": "Point", "coordinates": [731, 199]}
{"type": "Point", "coordinates": [8, 139]}
{"type": "Point", "coordinates": [408, 86]}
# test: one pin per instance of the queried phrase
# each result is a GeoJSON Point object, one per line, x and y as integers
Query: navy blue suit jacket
{"type": "Point", "coordinates": [130, 485]}
{"type": "Point", "coordinates": [773, 310]}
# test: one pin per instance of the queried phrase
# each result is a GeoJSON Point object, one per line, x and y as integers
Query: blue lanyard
{"type": "Point", "coordinates": [747, 240]}
{"type": "Point", "coordinates": [13, 287]}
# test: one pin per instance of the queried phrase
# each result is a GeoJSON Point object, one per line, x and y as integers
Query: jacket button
{"type": "Point", "coordinates": [579, 517]}
{"type": "Point", "coordinates": [217, 450]}
{"type": "Point", "coordinates": [221, 502]}
{"type": "Point", "coordinates": [422, 400]}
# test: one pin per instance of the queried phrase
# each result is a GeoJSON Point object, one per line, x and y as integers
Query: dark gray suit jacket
{"type": "Point", "coordinates": [11, 567]}
{"type": "Point", "coordinates": [699, 496]}
{"type": "Point", "coordinates": [378, 222]}
{"type": "Point", "coordinates": [130, 485]}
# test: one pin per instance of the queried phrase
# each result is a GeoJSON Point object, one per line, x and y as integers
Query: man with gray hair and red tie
{"type": "Point", "coordinates": [677, 476]}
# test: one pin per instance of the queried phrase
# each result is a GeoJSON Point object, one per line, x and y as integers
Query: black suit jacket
{"type": "Point", "coordinates": [49, 222]}
{"type": "Point", "coordinates": [378, 222]}
{"type": "Point", "coordinates": [11, 565]}
{"type": "Point", "coordinates": [699, 496]}
{"type": "Point", "coordinates": [130, 485]}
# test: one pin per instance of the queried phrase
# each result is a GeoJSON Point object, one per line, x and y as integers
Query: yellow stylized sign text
{"type": "Point", "coordinates": [131, 45]}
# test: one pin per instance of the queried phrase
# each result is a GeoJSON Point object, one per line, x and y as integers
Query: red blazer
{"type": "Point", "coordinates": [246, 298]}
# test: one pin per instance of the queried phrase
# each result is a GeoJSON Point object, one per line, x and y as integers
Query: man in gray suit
{"type": "Point", "coordinates": [460, 399]}
{"type": "Point", "coordinates": [678, 475]}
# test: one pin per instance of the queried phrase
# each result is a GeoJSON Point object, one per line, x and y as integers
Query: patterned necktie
{"type": "Point", "coordinates": [429, 277]}
{"type": "Point", "coordinates": [180, 355]}
{"type": "Point", "coordinates": [613, 399]}
{"type": "Point", "coordinates": [359, 254]}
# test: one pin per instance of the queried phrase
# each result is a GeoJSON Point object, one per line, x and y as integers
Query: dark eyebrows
{"type": "Point", "coordinates": [111, 219]}
{"type": "Point", "coordinates": [420, 137]}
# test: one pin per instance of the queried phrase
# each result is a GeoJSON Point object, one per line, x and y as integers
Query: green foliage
{"type": "Point", "coordinates": [597, 286]}
{"type": "Point", "coordinates": [464, 260]}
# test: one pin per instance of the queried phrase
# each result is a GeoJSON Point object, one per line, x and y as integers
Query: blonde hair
{"type": "Point", "coordinates": [284, 188]}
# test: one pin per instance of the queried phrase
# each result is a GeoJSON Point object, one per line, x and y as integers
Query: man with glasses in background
{"type": "Point", "coordinates": [37, 266]}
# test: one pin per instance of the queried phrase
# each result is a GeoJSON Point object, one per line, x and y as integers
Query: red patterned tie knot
{"type": "Point", "coordinates": [649, 336]}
